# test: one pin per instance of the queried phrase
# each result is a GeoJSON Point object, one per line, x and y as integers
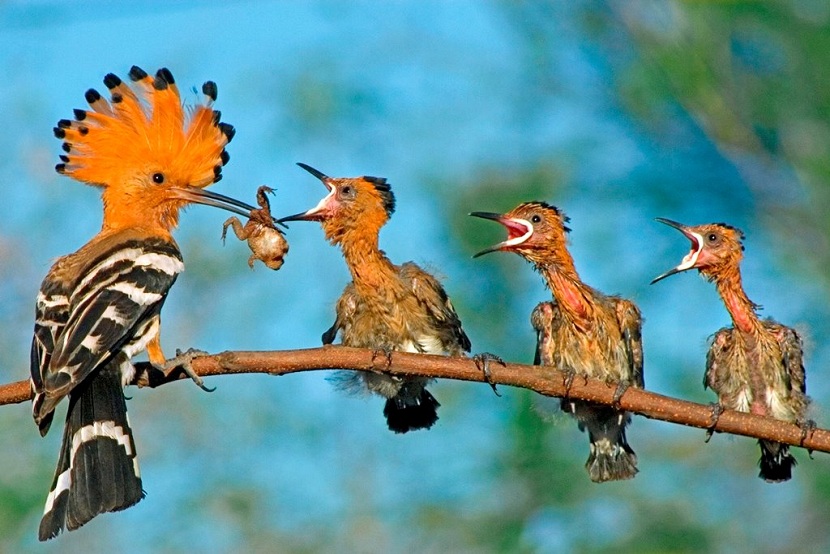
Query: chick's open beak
{"type": "Point", "coordinates": [518, 231]}
{"type": "Point", "coordinates": [688, 261]}
{"type": "Point", "coordinates": [317, 213]}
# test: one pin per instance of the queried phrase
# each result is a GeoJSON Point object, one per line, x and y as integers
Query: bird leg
{"type": "Point", "coordinates": [387, 353]}
{"type": "Point", "coordinates": [807, 427]}
{"type": "Point", "coordinates": [717, 410]}
{"type": "Point", "coordinates": [568, 380]}
{"type": "Point", "coordinates": [622, 386]}
{"type": "Point", "coordinates": [183, 362]}
{"type": "Point", "coordinates": [482, 362]}
{"type": "Point", "coordinates": [148, 375]}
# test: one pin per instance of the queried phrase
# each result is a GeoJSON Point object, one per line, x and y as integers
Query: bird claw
{"type": "Point", "coordinates": [387, 353]}
{"type": "Point", "coordinates": [482, 362]}
{"type": "Point", "coordinates": [622, 386]}
{"type": "Point", "coordinates": [807, 427]}
{"type": "Point", "coordinates": [717, 410]}
{"type": "Point", "coordinates": [184, 361]}
{"type": "Point", "coordinates": [568, 381]}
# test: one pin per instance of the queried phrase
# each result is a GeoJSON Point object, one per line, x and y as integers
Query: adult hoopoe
{"type": "Point", "coordinates": [582, 332]}
{"type": "Point", "coordinates": [100, 306]}
{"type": "Point", "coordinates": [755, 365]}
{"type": "Point", "coordinates": [385, 307]}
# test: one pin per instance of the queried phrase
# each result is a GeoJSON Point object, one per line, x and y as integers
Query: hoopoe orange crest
{"type": "Point", "coordinates": [144, 128]}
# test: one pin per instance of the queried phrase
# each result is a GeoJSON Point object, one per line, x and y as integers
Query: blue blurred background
{"type": "Point", "coordinates": [617, 112]}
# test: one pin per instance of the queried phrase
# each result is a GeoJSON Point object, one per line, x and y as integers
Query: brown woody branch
{"type": "Point", "coordinates": [543, 380]}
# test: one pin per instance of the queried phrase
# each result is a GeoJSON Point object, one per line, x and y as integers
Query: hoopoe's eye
{"type": "Point", "coordinates": [347, 192]}
{"type": "Point", "coordinates": [158, 178]}
{"type": "Point", "coordinates": [536, 219]}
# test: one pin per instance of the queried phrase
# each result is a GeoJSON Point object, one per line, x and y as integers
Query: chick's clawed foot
{"type": "Point", "coordinates": [717, 410]}
{"type": "Point", "coordinates": [622, 386]}
{"type": "Point", "coordinates": [482, 362]}
{"type": "Point", "coordinates": [568, 381]}
{"type": "Point", "coordinates": [807, 427]}
{"type": "Point", "coordinates": [184, 362]}
{"type": "Point", "coordinates": [387, 355]}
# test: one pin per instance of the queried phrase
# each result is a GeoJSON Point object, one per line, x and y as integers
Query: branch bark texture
{"type": "Point", "coordinates": [544, 380]}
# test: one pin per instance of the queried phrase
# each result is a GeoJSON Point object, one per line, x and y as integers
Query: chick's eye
{"type": "Point", "coordinates": [536, 219]}
{"type": "Point", "coordinates": [712, 237]}
{"type": "Point", "coordinates": [158, 178]}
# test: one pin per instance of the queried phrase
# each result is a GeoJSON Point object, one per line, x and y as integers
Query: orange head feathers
{"type": "Point", "coordinates": [535, 230]}
{"type": "Point", "coordinates": [355, 207]}
{"type": "Point", "coordinates": [716, 251]}
{"type": "Point", "coordinates": [149, 155]}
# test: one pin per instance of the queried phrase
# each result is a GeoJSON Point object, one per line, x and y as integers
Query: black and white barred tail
{"type": "Point", "coordinates": [97, 470]}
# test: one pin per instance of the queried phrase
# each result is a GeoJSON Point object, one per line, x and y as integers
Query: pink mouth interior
{"type": "Point", "coordinates": [514, 229]}
{"type": "Point", "coordinates": [693, 239]}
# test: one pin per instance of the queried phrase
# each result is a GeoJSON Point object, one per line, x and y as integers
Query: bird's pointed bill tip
{"type": "Point", "coordinates": [316, 172]}
{"type": "Point", "coordinates": [302, 216]}
{"type": "Point", "coordinates": [487, 215]}
{"type": "Point", "coordinates": [668, 273]}
{"type": "Point", "coordinates": [495, 248]}
{"type": "Point", "coordinates": [670, 222]}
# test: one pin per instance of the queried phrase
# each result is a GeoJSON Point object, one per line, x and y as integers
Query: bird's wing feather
{"type": "Point", "coordinates": [631, 322]}
{"type": "Point", "coordinates": [542, 321]}
{"type": "Point", "coordinates": [721, 344]}
{"type": "Point", "coordinates": [431, 295]}
{"type": "Point", "coordinates": [791, 356]}
{"type": "Point", "coordinates": [345, 310]}
{"type": "Point", "coordinates": [107, 310]}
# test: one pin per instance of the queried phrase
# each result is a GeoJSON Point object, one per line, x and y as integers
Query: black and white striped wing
{"type": "Point", "coordinates": [51, 313]}
{"type": "Point", "coordinates": [84, 351]}
{"type": "Point", "coordinates": [113, 308]}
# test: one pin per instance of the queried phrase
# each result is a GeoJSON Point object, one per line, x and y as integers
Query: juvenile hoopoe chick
{"type": "Point", "coordinates": [754, 366]}
{"type": "Point", "coordinates": [582, 332]}
{"type": "Point", "coordinates": [386, 307]}
{"type": "Point", "coordinates": [100, 306]}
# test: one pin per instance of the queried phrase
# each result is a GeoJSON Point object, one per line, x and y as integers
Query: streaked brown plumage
{"type": "Point", "coordinates": [755, 365]}
{"type": "Point", "coordinates": [583, 331]}
{"type": "Point", "coordinates": [386, 307]}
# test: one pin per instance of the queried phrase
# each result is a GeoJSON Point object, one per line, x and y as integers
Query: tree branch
{"type": "Point", "coordinates": [544, 380]}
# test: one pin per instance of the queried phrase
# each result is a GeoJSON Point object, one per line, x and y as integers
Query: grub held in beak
{"type": "Point", "coordinates": [518, 231]}
{"type": "Point", "coordinates": [690, 260]}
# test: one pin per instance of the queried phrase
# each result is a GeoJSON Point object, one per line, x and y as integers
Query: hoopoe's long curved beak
{"type": "Point", "coordinates": [208, 198]}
